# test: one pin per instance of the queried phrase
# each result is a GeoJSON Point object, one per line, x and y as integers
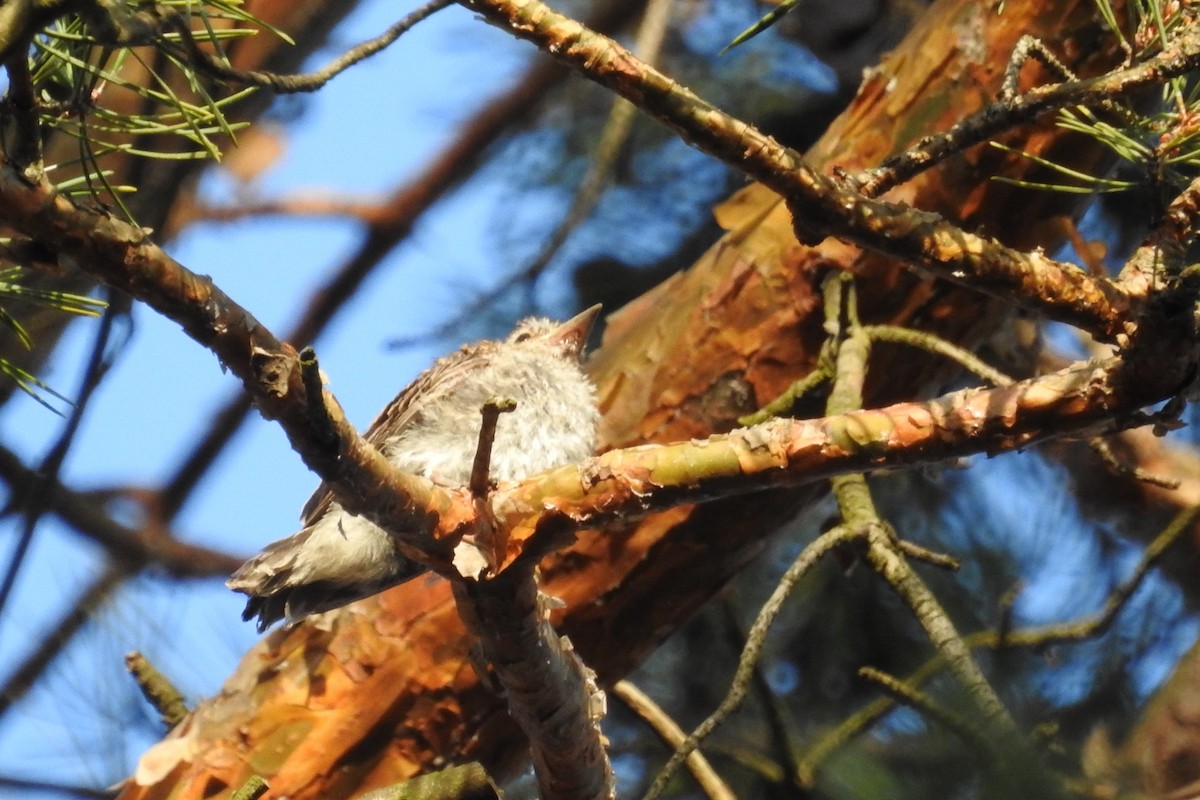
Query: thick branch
{"type": "Point", "coordinates": [822, 207]}
{"type": "Point", "coordinates": [630, 481]}
{"type": "Point", "coordinates": [959, 423]}
{"type": "Point", "coordinates": [389, 226]}
{"type": "Point", "coordinates": [550, 692]}
{"type": "Point", "coordinates": [124, 257]}
{"type": "Point", "coordinates": [786, 452]}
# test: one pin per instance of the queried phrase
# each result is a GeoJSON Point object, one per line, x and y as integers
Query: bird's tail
{"type": "Point", "coordinates": [268, 579]}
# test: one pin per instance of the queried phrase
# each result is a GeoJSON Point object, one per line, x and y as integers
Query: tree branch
{"type": "Point", "coordinates": [631, 482]}
{"type": "Point", "coordinates": [124, 257]}
{"type": "Point", "coordinates": [387, 228]}
{"type": "Point", "coordinates": [550, 693]}
{"type": "Point", "coordinates": [309, 82]}
{"type": "Point", "coordinates": [621, 482]}
{"type": "Point", "coordinates": [141, 547]}
{"type": "Point", "coordinates": [821, 206]}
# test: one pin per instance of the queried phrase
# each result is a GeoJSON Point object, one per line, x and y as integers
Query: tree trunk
{"type": "Point", "coordinates": [385, 689]}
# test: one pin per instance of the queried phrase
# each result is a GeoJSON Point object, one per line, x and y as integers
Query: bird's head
{"type": "Point", "coordinates": [568, 338]}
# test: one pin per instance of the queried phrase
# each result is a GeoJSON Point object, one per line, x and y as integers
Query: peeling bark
{"type": "Point", "coordinates": [383, 690]}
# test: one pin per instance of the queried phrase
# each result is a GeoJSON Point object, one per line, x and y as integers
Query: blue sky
{"type": "Point", "coordinates": [159, 399]}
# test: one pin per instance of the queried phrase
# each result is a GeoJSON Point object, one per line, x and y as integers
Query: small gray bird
{"type": "Point", "coordinates": [432, 429]}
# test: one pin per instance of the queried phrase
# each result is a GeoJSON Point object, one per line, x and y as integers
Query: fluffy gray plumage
{"type": "Point", "coordinates": [432, 429]}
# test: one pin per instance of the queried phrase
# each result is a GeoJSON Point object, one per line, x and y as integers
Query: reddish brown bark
{"type": "Point", "coordinates": [384, 689]}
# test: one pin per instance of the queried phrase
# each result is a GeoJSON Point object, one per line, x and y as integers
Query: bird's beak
{"type": "Point", "coordinates": [573, 334]}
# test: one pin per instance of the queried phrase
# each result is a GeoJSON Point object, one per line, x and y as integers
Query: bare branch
{"type": "Point", "coordinates": [644, 706]}
{"type": "Point", "coordinates": [309, 82]}
{"type": "Point", "coordinates": [1181, 57]}
{"type": "Point", "coordinates": [388, 227]}
{"type": "Point", "coordinates": [550, 693]}
{"type": "Point", "coordinates": [252, 789]}
{"type": "Point", "coordinates": [157, 689]}
{"type": "Point", "coordinates": [748, 660]}
{"type": "Point", "coordinates": [822, 207]}
{"type": "Point", "coordinates": [902, 692]}
{"type": "Point", "coordinates": [482, 467]}
{"type": "Point", "coordinates": [1076, 631]}
{"type": "Point", "coordinates": [86, 513]}
{"type": "Point", "coordinates": [618, 484]}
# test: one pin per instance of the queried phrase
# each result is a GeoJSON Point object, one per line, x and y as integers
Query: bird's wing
{"type": "Point", "coordinates": [442, 378]}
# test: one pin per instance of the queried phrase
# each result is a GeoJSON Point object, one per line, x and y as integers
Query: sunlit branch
{"type": "Point", "coordinates": [1181, 57]}
{"type": "Point", "coordinates": [157, 689]}
{"type": "Point", "coordinates": [550, 693]}
{"type": "Point", "coordinates": [821, 206]}
{"type": "Point", "coordinates": [388, 227]}
{"type": "Point", "coordinates": [669, 731]}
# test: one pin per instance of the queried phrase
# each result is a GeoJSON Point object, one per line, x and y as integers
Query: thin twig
{"type": "Point", "coordinates": [909, 695]}
{"type": "Point", "coordinates": [1119, 467]}
{"type": "Point", "coordinates": [309, 82]}
{"type": "Point", "coordinates": [79, 613]}
{"type": "Point", "coordinates": [786, 751]}
{"type": "Point", "coordinates": [1062, 633]}
{"type": "Point", "coordinates": [1011, 112]}
{"type": "Point", "coordinates": [914, 550]}
{"type": "Point", "coordinates": [321, 423]}
{"type": "Point", "coordinates": [938, 346]}
{"type": "Point", "coordinates": [37, 494]}
{"type": "Point", "coordinates": [157, 689]}
{"type": "Point", "coordinates": [1028, 47]}
{"type": "Point", "coordinates": [672, 735]}
{"type": "Point", "coordinates": [1099, 622]}
{"type": "Point", "coordinates": [785, 402]}
{"type": "Point", "coordinates": [924, 605]}
{"type": "Point", "coordinates": [755, 639]}
{"type": "Point", "coordinates": [481, 467]}
{"type": "Point", "coordinates": [254, 788]}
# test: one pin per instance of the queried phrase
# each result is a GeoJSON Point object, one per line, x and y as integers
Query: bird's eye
{"type": "Point", "coordinates": [523, 337]}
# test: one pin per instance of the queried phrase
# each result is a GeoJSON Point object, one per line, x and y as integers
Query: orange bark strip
{"type": "Point", "coordinates": [681, 363]}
